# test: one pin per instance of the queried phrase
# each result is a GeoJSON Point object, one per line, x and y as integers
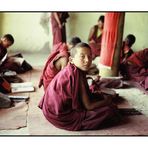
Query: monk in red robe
{"type": "Point", "coordinates": [95, 37]}
{"type": "Point", "coordinates": [126, 50]}
{"type": "Point", "coordinates": [68, 102]}
{"type": "Point", "coordinates": [58, 20]}
{"type": "Point", "coordinates": [15, 63]}
{"type": "Point", "coordinates": [57, 60]}
{"type": "Point", "coordinates": [136, 68]}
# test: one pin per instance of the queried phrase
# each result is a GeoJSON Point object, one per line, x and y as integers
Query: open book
{"type": "Point", "coordinates": [22, 87]}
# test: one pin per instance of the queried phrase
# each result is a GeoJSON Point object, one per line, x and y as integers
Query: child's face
{"type": "Point", "coordinates": [6, 43]}
{"type": "Point", "coordinates": [82, 58]}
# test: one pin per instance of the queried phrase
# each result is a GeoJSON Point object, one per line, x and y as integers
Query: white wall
{"type": "Point", "coordinates": [79, 24]}
{"type": "Point", "coordinates": [29, 34]}
{"type": "Point", "coordinates": [32, 31]}
{"type": "Point", "coordinates": [137, 24]}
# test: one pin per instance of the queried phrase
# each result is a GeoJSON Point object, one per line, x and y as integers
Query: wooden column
{"type": "Point", "coordinates": [113, 70]}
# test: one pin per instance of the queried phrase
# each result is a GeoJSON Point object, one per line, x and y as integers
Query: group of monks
{"type": "Point", "coordinates": [133, 65]}
{"type": "Point", "coordinates": [69, 102]}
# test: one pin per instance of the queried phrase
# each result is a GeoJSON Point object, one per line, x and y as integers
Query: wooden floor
{"type": "Point", "coordinates": [36, 124]}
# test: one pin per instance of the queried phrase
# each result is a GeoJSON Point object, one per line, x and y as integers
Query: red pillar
{"type": "Point", "coordinates": [111, 43]}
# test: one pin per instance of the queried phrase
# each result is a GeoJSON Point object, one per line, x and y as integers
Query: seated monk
{"type": "Point", "coordinates": [57, 60]}
{"type": "Point", "coordinates": [136, 68]}
{"type": "Point", "coordinates": [68, 102]}
{"type": "Point", "coordinates": [126, 50]}
{"type": "Point", "coordinates": [95, 37]}
{"type": "Point", "coordinates": [14, 63]}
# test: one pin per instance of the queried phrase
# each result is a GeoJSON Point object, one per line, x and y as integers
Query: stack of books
{"type": "Point", "coordinates": [18, 98]}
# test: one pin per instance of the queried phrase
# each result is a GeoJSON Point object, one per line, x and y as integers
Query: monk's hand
{"type": "Point", "coordinates": [60, 26]}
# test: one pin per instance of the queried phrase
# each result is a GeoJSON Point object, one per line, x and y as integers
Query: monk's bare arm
{"type": "Point", "coordinates": [55, 14]}
{"type": "Point", "coordinates": [61, 63]}
{"type": "Point", "coordinates": [88, 104]}
{"type": "Point", "coordinates": [64, 62]}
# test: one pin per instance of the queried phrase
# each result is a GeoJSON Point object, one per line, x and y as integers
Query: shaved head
{"type": "Point", "coordinates": [81, 56]}
{"type": "Point", "coordinates": [9, 37]}
{"type": "Point", "coordinates": [73, 51]}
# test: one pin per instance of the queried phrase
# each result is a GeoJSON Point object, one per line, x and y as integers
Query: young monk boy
{"type": "Point", "coordinates": [13, 63]}
{"type": "Point", "coordinates": [126, 50]}
{"type": "Point", "coordinates": [68, 102]}
{"type": "Point", "coordinates": [57, 60]}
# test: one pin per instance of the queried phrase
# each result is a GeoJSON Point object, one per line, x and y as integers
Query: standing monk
{"type": "Point", "coordinates": [58, 20]}
{"type": "Point", "coordinates": [95, 37]}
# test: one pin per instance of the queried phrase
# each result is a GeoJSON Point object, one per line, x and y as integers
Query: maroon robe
{"type": "Point", "coordinates": [62, 105]}
{"type": "Point", "coordinates": [7, 64]}
{"type": "Point", "coordinates": [3, 52]}
{"type": "Point", "coordinates": [126, 52]}
{"type": "Point", "coordinates": [59, 34]}
{"type": "Point", "coordinates": [136, 68]}
{"type": "Point", "coordinates": [49, 71]}
{"type": "Point", "coordinates": [11, 63]}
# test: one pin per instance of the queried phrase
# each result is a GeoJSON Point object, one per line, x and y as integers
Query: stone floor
{"type": "Point", "coordinates": [36, 124]}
